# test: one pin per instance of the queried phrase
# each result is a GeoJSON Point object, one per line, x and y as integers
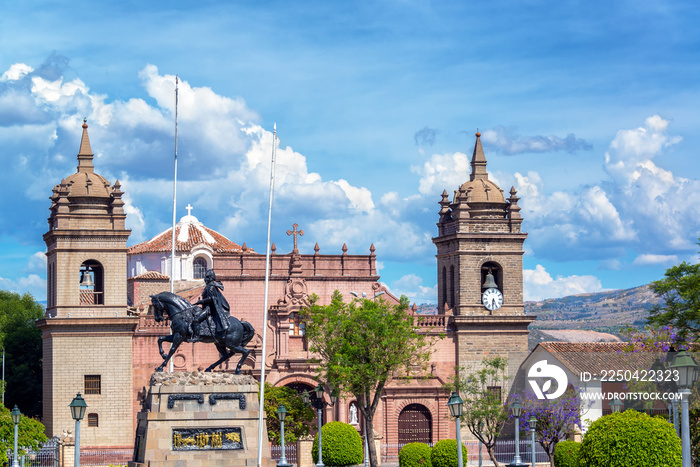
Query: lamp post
{"type": "Point", "coordinates": [16, 417]}
{"type": "Point", "coordinates": [533, 424]}
{"type": "Point", "coordinates": [319, 404]}
{"type": "Point", "coordinates": [688, 372]}
{"type": "Point", "coordinates": [456, 405]}
{"type": "Point", "coordinates": [616, 405]}
{"type": "Point", "coordinates": [364, 423]}
{"type": "Point", "coordinates": [516, 408]}
{"type": "Point", "coordinates": [281, 415]}
{"type": "Point", "coordinates": [77, 411]}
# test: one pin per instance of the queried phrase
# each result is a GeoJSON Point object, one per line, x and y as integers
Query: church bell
{"type": "Point", "coordinates": [86, 280]}
{"type": "Point", "coordinates": [489, 283]}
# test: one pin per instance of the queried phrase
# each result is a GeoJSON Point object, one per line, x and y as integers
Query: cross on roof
{"type": "Point", "coordinates": [295, 232]}
{"type": "Point", "coordinates": [189, 209]}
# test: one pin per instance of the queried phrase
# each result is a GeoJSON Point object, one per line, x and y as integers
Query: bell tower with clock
{"type": "Point", "coordinates": [480, 268]}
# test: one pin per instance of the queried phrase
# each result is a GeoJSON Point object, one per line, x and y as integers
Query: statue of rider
{"type": "Point", "coordinates": [214, 304]}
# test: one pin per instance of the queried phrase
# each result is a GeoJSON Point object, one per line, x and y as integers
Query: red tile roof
{"type": "Point", "coordinates": [195, 234]}
{"type": "Point", "coordinates": [595, 357]}
{"type": "Point", "coordinates": [150, 275]}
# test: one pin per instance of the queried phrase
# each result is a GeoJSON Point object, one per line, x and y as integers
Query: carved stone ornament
{"type": "Point", "coordinates": [295, 293]}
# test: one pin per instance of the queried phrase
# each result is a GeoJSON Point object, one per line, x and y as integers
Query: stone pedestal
{"type": "Point", "coordinates": [199, 419]}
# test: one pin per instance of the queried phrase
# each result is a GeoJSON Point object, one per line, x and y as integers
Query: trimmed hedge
{"type": "Point", "coordinates": [444, 453]}
{"type": "Point", "coordinates": [566, 454]}
{"type": "Point", "coordinates": [415, 455]}
{"type": "Point", "coordinates": [342, 445]}
{"type": "Point", "coordinates": [630, 439]}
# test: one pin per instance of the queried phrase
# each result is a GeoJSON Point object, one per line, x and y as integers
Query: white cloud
{"type": "Point", "coordinates": [508, 141]}
{"type": "Point", "coordinates": [412, 287]}
{"type": "Point", "coordinates": [32, 284]}
{"type": "Point", "coordinates": [442, 172]}
{"type": "Point", "coordinates": [538, 284]}
{"type": "Point", "coordinates": [16, 71]}
{"type": "Point", "coordinates": [649, 260]}
{"type": "Point", "coordinates": [37, 262]}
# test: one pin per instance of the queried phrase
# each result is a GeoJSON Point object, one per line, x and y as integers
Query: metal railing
{"type": "Point", "coordinates": [504, 450]}
{"type": "Point", "coordinates": [290, 452]}
{"type": "Point", "coordinates": [105, 456]}
{"type": "Point", "coordinates": [45, 456]}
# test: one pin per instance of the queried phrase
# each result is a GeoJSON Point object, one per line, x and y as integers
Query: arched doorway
{"type": "Point", "coordinates": [415, 425]}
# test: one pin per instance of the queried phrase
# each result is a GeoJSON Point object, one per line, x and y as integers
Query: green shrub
{"type": "Point", "coordinates": [630, 439]}
{"type": "Point", "coordinates": [566, 454]}
{"type": "Point", "coordinates": [415, 455]}
{"type": "Point", "coordinates": [342, 445]}
{"type": "Point", "coordinates": [444, 454]}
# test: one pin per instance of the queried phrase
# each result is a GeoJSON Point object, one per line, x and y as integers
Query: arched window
{"type": "Point", "coordinates": [91, 283]}
{"type": "Point", "coordinates": [199, 268]}
{"type": "Point", "coordinates": [444, 289]}
{"type": "Point", "coordinates": [496, 271]}
{"type": "Point", "coordinates": [415, 425]}
{"type": "Point", "coordinates": [452, 287]}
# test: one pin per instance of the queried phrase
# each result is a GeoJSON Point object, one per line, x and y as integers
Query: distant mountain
{"type": "Point", "coordinates": [602, 311]}
{"type": "Point", "coordinates": [591, 317]}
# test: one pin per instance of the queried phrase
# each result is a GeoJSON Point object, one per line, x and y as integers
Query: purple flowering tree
{"type": "Point", "coordinates": [556, 418]}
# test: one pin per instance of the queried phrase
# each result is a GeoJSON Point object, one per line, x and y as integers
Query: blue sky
{"type": "Point", "coordinates": [588, 108]}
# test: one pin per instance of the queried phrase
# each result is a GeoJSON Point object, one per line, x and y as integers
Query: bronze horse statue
{"type": "Point", "coordinates": [181, 313]}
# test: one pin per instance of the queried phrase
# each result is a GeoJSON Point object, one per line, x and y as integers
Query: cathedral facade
{"type": "Point", "coordinates": [100, 339]}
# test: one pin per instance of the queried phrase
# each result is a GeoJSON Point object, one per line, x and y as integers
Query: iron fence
{"type": "Point", "coordinates": [504, 451]}
{"type": "Point", "coordinates": [45, 456]}
{"type": "Point", "coordinates": [105, 456]}
{"type": "Point", "coordinates": [290, 452]}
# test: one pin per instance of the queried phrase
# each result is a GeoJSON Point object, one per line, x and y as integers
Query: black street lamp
{"type": "Point", "coordinates": [688, 371]}
{"type": "Point", "coordinates": [516, 408]}
{"type": "Point", "coordinates": [319, 403]}
{"type": "Point", "coordinates": [77, 411]}
{"type": "Point", "coordinates": [533, 425]}
{"type": "Point", "coordinates": [281, 415]}
{"type": "Point", "coordinates": [16, 417]}
{"type": "Point", "coordinates": [456, 405]}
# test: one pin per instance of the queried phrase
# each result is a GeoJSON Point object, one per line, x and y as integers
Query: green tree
{"type": "Point", "coordinates": [30, 433]}
{"type": "Point", "coordinates": [680, 292]}
{"type": "Point", "coordinates": [299, 418]}
{"type": "Point", "coordinates": [21, 340]}
{"type": "Point", "coordinates": [484, 412]}
{"type": "Point", "coordinates": [363, 344]}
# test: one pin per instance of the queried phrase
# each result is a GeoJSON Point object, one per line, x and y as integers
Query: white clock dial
{"type": "Point", "coordinates": [492, 299]}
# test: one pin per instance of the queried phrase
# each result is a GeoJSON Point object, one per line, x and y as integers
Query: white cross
{"type": "Point", "coordinates": [189, 209]}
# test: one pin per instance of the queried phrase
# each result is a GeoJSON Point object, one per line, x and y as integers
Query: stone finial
{"type": "Point", "coordinates": [513, 208]}
{"type": "Point", "coordinates": [244, 247]}
{"type": "Point", "coordinates": [414, 307]}
{"type": "Point", "coordinates": [273, 248]}
{"type": "Point", "coordinates": [372, 249]}
{"type": "Point", "coordinates": [85, 152]}
{"type": "Point", "coordinates": [478, 161]}
{"type": "Point", "coordinates": [345, 249]}
{"type": "Point", "coordinates": [316, 248]}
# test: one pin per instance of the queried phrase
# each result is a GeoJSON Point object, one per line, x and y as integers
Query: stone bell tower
{"type": "Point", "coordinates": [480, 268]}
{"type": "Point", "coordinates": [87, 335]}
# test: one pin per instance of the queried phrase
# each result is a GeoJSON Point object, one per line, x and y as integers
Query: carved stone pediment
{"type": "Point", "coordinates": [296, 293]}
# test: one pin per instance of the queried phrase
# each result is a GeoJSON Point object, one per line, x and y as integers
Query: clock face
{"type": "Point", "coordinates": [492, 299]}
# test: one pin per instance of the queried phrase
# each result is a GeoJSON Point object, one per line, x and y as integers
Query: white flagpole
{"type": "Point", "coordinates": [172, 250]}
{"type": "Point", "coordinates": [267, 280]}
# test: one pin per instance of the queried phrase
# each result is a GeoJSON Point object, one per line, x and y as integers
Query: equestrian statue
{"type": "Point", "coordinates": [210, 324]}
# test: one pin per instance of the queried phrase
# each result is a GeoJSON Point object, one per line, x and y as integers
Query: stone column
{"type": "Point", "coordinates": [304, 458]}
